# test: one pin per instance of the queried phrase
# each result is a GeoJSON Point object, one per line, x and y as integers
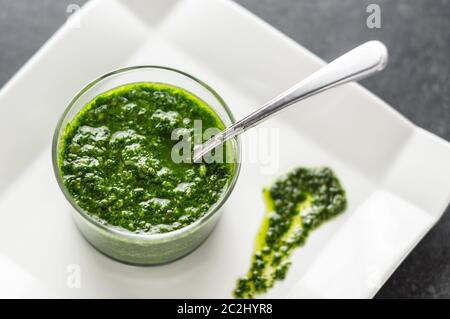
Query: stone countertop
{"type": "Point", "coordinates": [416, 82]}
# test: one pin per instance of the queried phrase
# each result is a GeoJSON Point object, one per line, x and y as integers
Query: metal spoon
{"type": "Point", "coordinates": [363, 61]}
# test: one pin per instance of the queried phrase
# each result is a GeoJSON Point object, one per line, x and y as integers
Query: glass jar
{"type": "Point", "coordinates": [118, 243]}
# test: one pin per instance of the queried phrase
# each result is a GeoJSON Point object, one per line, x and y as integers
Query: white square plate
{"type": "Point", "coordinates": [397, 176]}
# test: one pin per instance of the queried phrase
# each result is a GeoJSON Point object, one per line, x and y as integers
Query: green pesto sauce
{"type": "Point", "coordinates": [297, 203]}
{"type": "Point", "coordinates": [115, 159]}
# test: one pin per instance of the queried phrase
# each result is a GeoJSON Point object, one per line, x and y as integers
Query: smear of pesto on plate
{"type": "Point", "coordinates": [297, 203]}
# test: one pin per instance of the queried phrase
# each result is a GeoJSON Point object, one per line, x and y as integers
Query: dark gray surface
{"type": "Point", "coordinates": [416, 82]}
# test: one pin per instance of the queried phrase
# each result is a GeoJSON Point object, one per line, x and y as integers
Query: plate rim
{"type": "Point", "coordinates": [90, 5]}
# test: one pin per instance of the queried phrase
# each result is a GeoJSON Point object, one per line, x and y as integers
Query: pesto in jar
{"type": "Point", "coordinates": [115, 159]}
{"type": "Point", "coordinates": [297, 203]}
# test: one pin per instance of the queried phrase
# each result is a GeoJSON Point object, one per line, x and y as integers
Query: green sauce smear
{"type": "Point", "coordinates": [297, 203]}
{"type": "Point", "coordinates": [115, 159]}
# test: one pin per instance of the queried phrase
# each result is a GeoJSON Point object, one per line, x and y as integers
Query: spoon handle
{"type": "Point", "coordinates": [361, 62]}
